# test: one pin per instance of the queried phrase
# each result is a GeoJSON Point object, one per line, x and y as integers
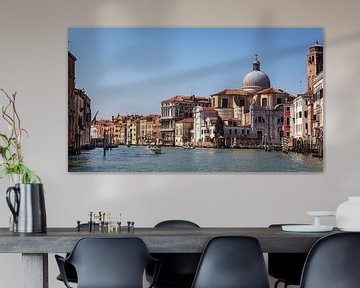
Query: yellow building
{"type": "Point", "coordinates": [132, 131]}
{"type": "Point", "coordinates": [183, 131]}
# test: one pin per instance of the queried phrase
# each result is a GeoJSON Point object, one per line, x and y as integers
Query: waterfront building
{"type": "Point", "coordinates": [123, 134]}
{"type": "Point", "coordinates": [315, 90]}
{"type": "Point", "coordinates": [117, 122]}
{"type": "Point", "coordinates": [133, 130]}
{"type": "Point", "coordinates": [301, 116]}
{"type": "Point", "coordinates": [318, 125]}
{"type": "Point", "coordinates": [117, 132]}
{"type": "Point", "coordinates": [153, 128]}
{"type": "Point", "coordinates": [288, 119]}
{"type": "Point", "coordinates": [79, 113]}
{"type": "Point", "coordinates": [314, 65]}
{"type": "Point", "coordinates": [93, 131]}
{"type": "Point", "coordinates": [142, 131]}
{"type": "Point", "coordinates": [256, 108]}
{"type": "Point", "coordinates": [208, 130]}
{"type": "Point", "coordinates": [71, 102]}
{"type": "Point", "coordinates": [231, 103]}
{"type": "Point", "coordinates": [201, 128]}
{"type": "Point", "coordinates": [175, 109]}
{"type": "Point", "coordinates": [83, 118]}
{"type": "Point", "coordinates": [149, 129]}
{"type": "Point", "coordinates": [102, 131]}
{"type": "Point", "coordinates": [183, 131]}
{"type": "Point", "coordinates": [267, 115]}
{"type": "Point", "coordinates": [234, 131]}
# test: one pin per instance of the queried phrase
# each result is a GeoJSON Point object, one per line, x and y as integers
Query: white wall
{"type": "Point", "coordinates": [33, 62]}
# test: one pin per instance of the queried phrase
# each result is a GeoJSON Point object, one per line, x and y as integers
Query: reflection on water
{"type": "Point", "coordinates": [138, 159]}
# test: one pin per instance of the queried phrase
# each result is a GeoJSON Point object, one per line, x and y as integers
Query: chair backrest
{"type": "Point", "coordinates": [178, 269]}
{"type": "Point", "coordinates": [110, 262]}
{"type": "Point", "coordinates": [232, 262]}
{"type": "Point", "coordinates": [176, 224]}
{"type": "Point", "coordinates": [333, 262]}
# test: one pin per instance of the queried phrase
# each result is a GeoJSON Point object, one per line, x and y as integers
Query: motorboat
{"type": "Point", "coordinates": [155, 149]}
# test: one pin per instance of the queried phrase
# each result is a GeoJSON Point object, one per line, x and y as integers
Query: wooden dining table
{"type": "Point", "coordinates": [35, 247]}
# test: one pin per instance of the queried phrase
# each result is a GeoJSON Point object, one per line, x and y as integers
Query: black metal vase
{"type": "Point", "coordinates": [27, 204]}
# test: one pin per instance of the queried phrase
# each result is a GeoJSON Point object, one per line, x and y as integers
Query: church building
{"type": "Point", "coordinates": [255, 107]}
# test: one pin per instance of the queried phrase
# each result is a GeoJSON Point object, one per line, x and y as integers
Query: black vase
{"type": "Point", "coordinates": [27, 207]}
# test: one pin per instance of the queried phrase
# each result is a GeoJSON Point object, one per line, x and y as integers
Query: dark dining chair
{"type": "Point", "coordinates": [333, 262]}
{"type": "Point", "coordinates": [178, 269]}
{"type": "Point", "coordinates": [232, 262]}
{"type": "Point", "coordinates": [108, 263]}
{"type": "Point", "coordinates": [70, 271]}
{"type": "Point", "coordinates": [286, 267]}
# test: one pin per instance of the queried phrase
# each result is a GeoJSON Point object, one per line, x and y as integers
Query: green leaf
{"type": "Point", "coordinates": [26, 132]}
{"type": "Point", "coordinates": [3, 151]}
{"type": "Point", "coordinates": [4, 137]}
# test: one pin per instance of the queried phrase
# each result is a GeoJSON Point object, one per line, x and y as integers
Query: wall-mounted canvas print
{"type": "Point", "coordinates": [195, 100]}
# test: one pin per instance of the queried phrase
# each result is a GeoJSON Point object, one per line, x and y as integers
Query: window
{"type": "Point", "coordinates": [287, 121]}
{"type": "Point", "coordinates": [263, 102]}
{"type": "Point", "coordinates": [230, 131]}
{"type": "Point", "coordinates": [278, 100]}
{"type": "Point", "coordinates": [235, 131]}
{"type": "Point", "coordinates": [242, 131]}
{"type": "Point", "coordinates": [299, 114]}
{"type": "Point", "coordinates": [305, 114]}
{"type": "Point", "coordinates": [288, 109]}
{"type": "Point", "coordinates": [242, 102]}
{"type": "Point", "coordinates": [224, 103]}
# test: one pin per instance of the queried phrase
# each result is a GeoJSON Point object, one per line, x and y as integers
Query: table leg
{"type": "Point", "coordinates": [35, 270]}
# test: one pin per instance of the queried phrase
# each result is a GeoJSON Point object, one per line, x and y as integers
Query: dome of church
{"type": "Point", "coordinates": [255, 80]}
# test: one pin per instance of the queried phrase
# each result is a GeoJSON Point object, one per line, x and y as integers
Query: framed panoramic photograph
{"type": "Point", "coordinates": [195, 100]}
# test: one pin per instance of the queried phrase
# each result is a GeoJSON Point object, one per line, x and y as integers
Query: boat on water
{"type": "Point", "coordinates": [155, 149]}
{"type": "Point", "coordinates": [188, 147]}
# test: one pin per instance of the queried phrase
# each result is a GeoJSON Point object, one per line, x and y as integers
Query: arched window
{"type": "Point", "coordinates": [264, 102]}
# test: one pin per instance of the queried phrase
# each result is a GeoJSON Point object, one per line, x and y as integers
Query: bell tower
{"type": "Point", "coordinates": [314, 64]}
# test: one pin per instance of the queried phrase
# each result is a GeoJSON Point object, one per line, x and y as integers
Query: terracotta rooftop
{"type": "Point", "coordinates": [271, 91]}
{"type": "Point", "coordinates": [186, 120]}
{"type": "Point", "coordinates": [181, 98]}
{"type": "Point", "coordinates": [232, 92]}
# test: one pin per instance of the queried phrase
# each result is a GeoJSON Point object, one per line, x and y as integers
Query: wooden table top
{"type": "Point", "coordinates": [158, 240]}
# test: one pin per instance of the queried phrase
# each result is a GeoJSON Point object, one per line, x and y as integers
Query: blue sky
{"type": "Point", "coordinates": [131, 70]}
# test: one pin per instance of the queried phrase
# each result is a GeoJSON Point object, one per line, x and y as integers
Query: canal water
{"type": "Point", "coordinates": [139, 159]}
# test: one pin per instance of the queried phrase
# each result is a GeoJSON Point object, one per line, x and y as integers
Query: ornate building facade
{"type": "Point", "coordinates": [175, 109]}
{"type": "Point", "coordinates": [256, 109]}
